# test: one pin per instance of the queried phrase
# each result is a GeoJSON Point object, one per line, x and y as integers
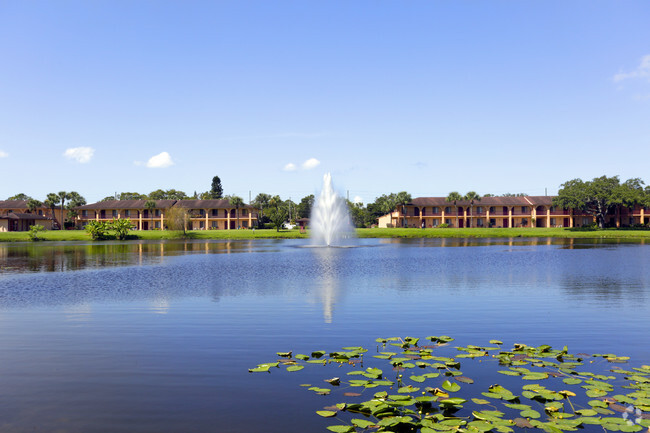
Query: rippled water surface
{"type": "Point", "coordinates": [158, 337]}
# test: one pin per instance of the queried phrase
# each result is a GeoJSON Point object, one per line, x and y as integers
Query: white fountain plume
{"type": "Point", "coordinates": [330, 221]}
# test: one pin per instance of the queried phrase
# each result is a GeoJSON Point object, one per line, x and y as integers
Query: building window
{"type": "Point", "coordinates": [493, 222]}
{"type": "Point", "coordinates": [492, 209]}
{"type": "Point", "coordinates": [215, 212]}
{"type": "Point", "coordinates": [127, 213]}
{"type": "Point", "coordinates": [114, 213]}
{"type": "Point", "coordinates": [436, 210]}
{"type": "Point", "coordinates": [214, 224]}
{"type": "Point", "coordinates": [435, 223]}
{"type": "Point", "coordinates": [552, 222]}
{"type": "Point", "coordinates": [479, 209]}
{"type": "Point", "coordinates": [524, 209]}
{"type": "Point", "coordinates": [479, 222]}
{"type": "Point", "coordinates": [84, 213]}
{"type": "Point", "coordinates": [447, 209]}
{"type": "Point", "coordinates": [449, 222]}
{"type": "Point", "coordinates": [157, 224]}
{"type": "Point", "coordinates": [157, 212]}
{"type": "Point", "coordinates": [202, 212]}
{"type": "Point", "coordinates": [552, 208]}
{"type": "Point", "coordinates": [244, 212]}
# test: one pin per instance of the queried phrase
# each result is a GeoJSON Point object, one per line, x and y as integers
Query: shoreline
{"type": "Point", "coordinates": [395, 233]}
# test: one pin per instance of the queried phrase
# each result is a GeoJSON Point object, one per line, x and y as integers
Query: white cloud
{"type": "Point", "coordinates": [290, 167]}
{"type": "Point", "coordinates": [162, 160]}
{"type": "Point", "coordinates": [310, 163]}
{"type": "Point", "coordinates": [3, 154]}
{"type": "Point", "coordinates": [357, 199]}
{"type": "Point", "coordinates": [642, 71]}
{"type": "Point", "coordinates": [81, 155]}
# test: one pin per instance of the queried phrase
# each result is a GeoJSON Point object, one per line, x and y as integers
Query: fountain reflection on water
{"type": "Point", "coordinates": [330, 220]}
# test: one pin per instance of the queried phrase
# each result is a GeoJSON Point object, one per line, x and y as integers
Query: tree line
{"type": "Point", "coordinates": [599, 197]}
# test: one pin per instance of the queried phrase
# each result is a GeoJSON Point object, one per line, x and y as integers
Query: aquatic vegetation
{"type": "Point", "coordinates": [406, 386]}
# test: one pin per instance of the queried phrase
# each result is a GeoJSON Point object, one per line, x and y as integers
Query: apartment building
{"type": "Point", "coordinates": [498, 212]}
{"type": "Point", "coordinates": [203, 214]}
{"type": "Point", "coordinates": [15, 216]}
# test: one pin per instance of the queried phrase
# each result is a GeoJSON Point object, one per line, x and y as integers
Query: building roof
{"type": "Point", "coordinates": [126, 204]}
{"type": "Point", "coordinates": [486, 201]}
{"type": "Point", "coordinates": [207, 204]}
{"type": "Point", "coordinates": [23, 216]}
{"type": "Point", "coordinates": [13, 204]}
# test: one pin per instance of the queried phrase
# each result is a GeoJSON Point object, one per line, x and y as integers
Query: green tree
{"type": "Point", "coordinates": [305, 205]}
{"type": "Point", "coordinates": [277, 212]}
{"type": "Point", "coordinates": [33, 205]}
{"type": "Point", "coordinates": [454, 197]}
{"type": "Point", "coordinates": [170, 194]}
{"type": "Point", "coordinates": [598, 197]}
{"type": "Point", "coordinates": [19, 196]}
{"type": "Point", "coordinates": [108, 198]}
{"type": "Point", "coordinates": [238, 202]}
{"type": "Point", "coordinates": [387, 203]}
{"type": "Point", "coordinates": [150, 205]}
{"type": "Point", "coordinates": [471, 197]}
{"type": "Point", "coordinates": [216, 190]}
{"type": "Point", "coordinates": [359, 214]}
{"type": "Point", "coordinates": [132, 196]}
{"type": "Point", "coordinates": [261, 202]}
{"type": "Point", "coordinates": [74, 201]}
{"type": "Point", "coordinates": [403, 198]}
{"type": "Point", "coordinates": [509, 194]}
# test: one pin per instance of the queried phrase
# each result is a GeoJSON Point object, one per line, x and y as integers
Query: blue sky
{"type": "Point", "coordinates": [422, 96]}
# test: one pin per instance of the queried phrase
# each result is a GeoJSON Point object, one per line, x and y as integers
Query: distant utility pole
{"type": "Point", "coordinates": [249, 197]}
{"type": "Point", "coordinates": [545, 192]}
{"type": "Point", "coordinates": [348, 195]}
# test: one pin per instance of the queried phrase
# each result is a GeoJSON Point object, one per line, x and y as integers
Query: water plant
{"type": "Point", "coordinates": [406, 386]}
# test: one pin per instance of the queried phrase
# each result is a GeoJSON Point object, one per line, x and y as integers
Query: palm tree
{"type": "Point", "coordinates": [237, 202]}
{"type": "Point", "coordinates": [51, 201]}
{"type": "Point", "coordinates": [150, 205]}
{"type": "Point", "coordinates": [402, 199]}
{"type": "Point", "coordinates": [454, 196]}
{"type": "Point", "coordinates": [63, 196]}
{"type": "Point", "coordinates": [471, 196]}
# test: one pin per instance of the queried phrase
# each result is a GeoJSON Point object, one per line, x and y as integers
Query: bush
{"type": "Point", "coordinates": [97, 230]}
{"type": "Point", "coordinates": [33, 232]}
{"type": "Point", "coordinates": [122, 227]}
{"type": "Point", "coordinates": [443, 226]}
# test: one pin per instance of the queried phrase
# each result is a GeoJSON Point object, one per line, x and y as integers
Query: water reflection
{"type": "Point", "coordinates": [328, 278]}
{"type": "Point", "coordinates": [72, 256]}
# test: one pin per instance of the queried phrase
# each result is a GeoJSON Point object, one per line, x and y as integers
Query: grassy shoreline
{"type": "Point", "coordinates": [564, 233]}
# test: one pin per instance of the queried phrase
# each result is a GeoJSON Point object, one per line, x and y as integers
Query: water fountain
{"type": "Point", "coordinates": [330, 221]}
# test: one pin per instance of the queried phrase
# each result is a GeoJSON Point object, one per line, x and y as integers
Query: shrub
{"type": "Point", "coordinates": [121, 227]}
{"type": "Point", "coordinates": [443, 225]}
{"type": "Point", "coordinates": [33, 232]}
{"type": "Point", "coordinates": [97, 230]}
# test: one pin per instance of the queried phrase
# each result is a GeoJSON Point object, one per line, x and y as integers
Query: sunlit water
{"type": "Point", "coordinates": [145, 337]}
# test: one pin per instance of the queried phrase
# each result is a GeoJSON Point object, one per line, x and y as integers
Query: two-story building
{"type": "Point", "coordinates": [203, 214]}
{"type": "Point", "coordinates": [525, 211]}
{"type": "Point", "coordinates": [16, 216]}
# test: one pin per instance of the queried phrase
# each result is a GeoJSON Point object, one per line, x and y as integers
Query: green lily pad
{"type": "Point", "coordinates": [326, 413]}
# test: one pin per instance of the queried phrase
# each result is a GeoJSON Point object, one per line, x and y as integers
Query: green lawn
{"type": "Point", "coordinates": [80, 235]}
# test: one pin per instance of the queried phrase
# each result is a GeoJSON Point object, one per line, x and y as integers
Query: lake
{"type": "Point", "coordinates": [159, 336]}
